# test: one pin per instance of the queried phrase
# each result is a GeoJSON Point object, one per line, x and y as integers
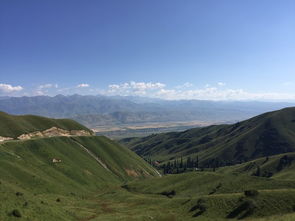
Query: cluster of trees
{"type": "Point", "coordinates": [177, 166]}
{"type": "Point", "coordinates": [181, 165]}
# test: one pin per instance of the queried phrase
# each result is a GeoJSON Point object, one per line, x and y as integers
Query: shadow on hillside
{"type": "Point", "coordinates": [244, 210]}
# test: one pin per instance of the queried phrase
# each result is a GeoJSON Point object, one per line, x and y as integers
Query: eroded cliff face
{"type": "Point", "coordinates": [54, 132]}
{"type": "Point", "coordinates": [51, 132]}
{"type": "Point", "coordinates": [5, 138]}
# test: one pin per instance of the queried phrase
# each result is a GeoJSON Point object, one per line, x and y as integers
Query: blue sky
{"type": "Point", "coordinates": [184, 49]}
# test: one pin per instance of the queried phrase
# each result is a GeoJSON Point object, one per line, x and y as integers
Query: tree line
{"type": "Point", "coordinates": [181, 165]}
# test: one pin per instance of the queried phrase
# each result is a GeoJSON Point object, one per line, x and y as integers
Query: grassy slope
{"type": "Point", "coordinates": [207, 183]}
{"type": "Point", "coordinates": [87, 191]}
{"type": "Point", "coordinates": [222, 193]}
{"type": "Point", "coordinates": [268, 134]}
{"type": "Point", "coordinates": [26, 167]}
{"type": "Point", "coordinates": [116, 157]}
{"type": "Point", "coordinates": [280, 166]}
{"type": "Point", "coordinates": [13, 126]}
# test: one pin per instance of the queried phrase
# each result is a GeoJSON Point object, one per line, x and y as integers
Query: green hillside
{"type": "Point", "coordinates": [219, 196]}
{"type": "Point", "coordinates": [13, 125]}
{"type": "Point", "coordinates": [27, 167]}
{"type": "Point", "coordinates": [280, 166]}
{"type": "Point", "coordinates": [94, 178]}
{"type": "Point", "coordinates": [265, 135]}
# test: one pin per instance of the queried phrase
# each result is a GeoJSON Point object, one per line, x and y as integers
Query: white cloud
{"type": "Point", "coordinates": [83, 85]}
{"type": "Point", "coordinates": [212, 93]}
{"type": "Point", "coordinates": [39, 93]}
{"type": "Point", "coordinates": [145, 86]}
{"type": "Point", "coordinates": [7, 88]}
{"type": "Point", "coordinates": [159, 90]}
{"type": "Point", "coordinates": [134, 88]}
{"type": "Point", "coordinates": [44, 89]}
{"type": "Point", "coordinates": [185, 91]}
{"type": "Point", "coordinates": [137, 85]}
{"type": "Point", "coordinates": [46, 86]}
{"type": "Point", "coordinates": [221, 84]}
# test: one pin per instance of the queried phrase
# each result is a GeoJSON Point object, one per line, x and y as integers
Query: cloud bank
{"type": "Point", "coordinates": [188, 92]}
{"type": "Point", "coordinates": [7, 88]}
{"type": "Point", "coordinates": [134, 88]}
{"type": "Point", "coordinates": [219, 91]}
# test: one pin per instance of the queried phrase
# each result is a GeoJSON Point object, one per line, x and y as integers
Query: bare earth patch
{"type": "Point", "coordinates": [132, 173]}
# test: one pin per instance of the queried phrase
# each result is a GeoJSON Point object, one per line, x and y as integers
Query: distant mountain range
{"type": "Point", "coordinates": [219, 145]}
{"type": "Point", "coordinates": [96, 111]}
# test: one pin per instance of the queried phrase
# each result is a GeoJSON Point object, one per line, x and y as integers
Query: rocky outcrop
{"type": "Point", "coordinates": [80, 133]}
{"type": "Point", "coordinates": [30, 135]}
{"type": "Point", "coordinates": [5, 138]}
{"type": "Point", "coordinates": [54, 132]}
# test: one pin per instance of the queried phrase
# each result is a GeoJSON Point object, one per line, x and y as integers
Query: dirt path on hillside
{"type": "Point", "coordinates": [92, 155]}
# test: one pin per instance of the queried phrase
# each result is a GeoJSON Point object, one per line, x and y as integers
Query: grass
{"type": "Point", "coordinates": [265, 135]}
{"type": "Point", "coordinates": [26, 167]}
{"type": "Point", "coordinates": [207, 183]}
{"type": "Point", "coordinates": [99, 180]}
{"type": "Point", "coordinates": [222, 193]}
{"type": "Point", "coordinates": [279, 166]}
{"type": "Point", "coordinates": [86, 191]}
{"type": "Point", "coordinates": [13, 126]}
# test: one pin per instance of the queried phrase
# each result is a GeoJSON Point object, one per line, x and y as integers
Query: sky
{"type": "Point", "coordinates": [170, 49]}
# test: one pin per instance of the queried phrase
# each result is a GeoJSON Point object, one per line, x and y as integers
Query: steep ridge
{"type": "Point", "coordinates": [265, 135]}
{"type": "Point", "coordinates": [56, 168]}
{"type": "Point", "coordinates": [110, 155]}
{"type": "Point", "coordinates": [13, 126]}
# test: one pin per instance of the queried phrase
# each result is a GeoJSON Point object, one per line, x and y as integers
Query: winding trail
{"type": "Point", "coordinates": [160, 175]}
{"type": "Point", "coordinates": [91, 154]}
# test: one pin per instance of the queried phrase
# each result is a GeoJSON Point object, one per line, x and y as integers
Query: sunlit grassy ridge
{"type": "Point", "coordinates": [27, 168]}
{"type": "Point", "coordinates": [265, 135]}
{"type": "Point", "coordinates": [13, 125]}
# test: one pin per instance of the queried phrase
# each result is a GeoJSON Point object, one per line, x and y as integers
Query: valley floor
{"type": "Point", "coordinates": [121, 205]}
{"type": "Point", "coordinates": [144, 200]}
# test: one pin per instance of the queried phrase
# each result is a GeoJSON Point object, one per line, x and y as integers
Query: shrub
{"type": "Point", "coordinates": [58, 200]}
{"type": "Point", "coordinates": [19, 194]}
{"type": "Point", "coordinates": [169, 194]}
{"type": "Point", "coordinates": [16, 213]}
{"type": "Point", "coordinates": [200, 208]}
{"type": "Point", "coordinates": [251, 193]}
{"type": "Point", "coordinates": [245, 209]}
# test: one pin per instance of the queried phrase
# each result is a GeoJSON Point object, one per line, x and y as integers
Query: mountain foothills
{"type": "Point", "coordinates": [95, 111]}
{"type": "Point", "coordinates": [242, 171]}
{"type": "Point", "coordinates": [219, 145]}
{"type": "Point", "coordinates": [39, 172]}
